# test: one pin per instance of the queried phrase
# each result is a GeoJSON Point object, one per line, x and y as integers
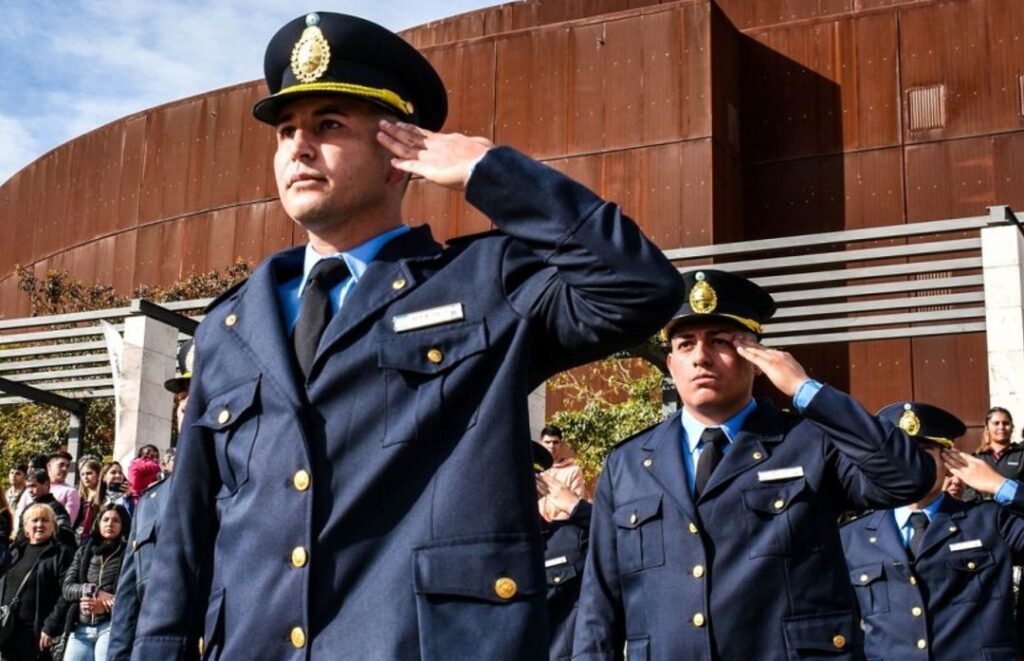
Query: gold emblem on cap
{"type": "Point", "coordinates": [703, 299]}
{"type": "Point", "coordinates": [311, 53]}
{"type": "Point", "coordinates": [909, 422]}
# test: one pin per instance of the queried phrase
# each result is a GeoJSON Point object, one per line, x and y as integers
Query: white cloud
{"type": "Point", "coordinates": [71, 66]}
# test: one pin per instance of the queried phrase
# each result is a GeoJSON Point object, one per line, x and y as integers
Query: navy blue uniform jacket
{"type": "Point", "coordinates": [754, 569]}
{"type": "Point", "coordinates": [386, 508]}
{"type": "Point", "coordinates": [955, 600]}
{"type": "Point", "coordinates": [565, 555]}
{"type": "Point", "coordinates": [131, 586]}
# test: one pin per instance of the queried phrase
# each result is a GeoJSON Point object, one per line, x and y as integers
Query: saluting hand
{"type": "Point", "coordinates": [781, 368]}
{"type": "Point", "coordinates": [974, 472]}
{"type": "Point", "coordinates": [443, 158]}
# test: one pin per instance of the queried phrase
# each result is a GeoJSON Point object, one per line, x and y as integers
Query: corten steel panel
{"type": "Point", "coordinates": [880, 372]}
{"type": "Point", "coordinates": [531, 91]}
{"type": "Point", "coordinates": [727, 192]}
{"type": "Point", "coordinates": [754, 13]}
{"type": "Point", "coordinates": [111, 182]}
{"type": "Point", "coordinates": [13, 302]}
{"type": "Point", "coordinates": [951, 372]}
{"type": "Point", "coordinates": [255, 166]}
{"type": "Point", "coordinates": [961, 177]}
{"type": "Point", "coordinates": [973, 47]}
{"type": "Point", "coordinates": [169, 149]}
{"type": "Point", "coordinates": [131, 164]}
{"type": "Point", "coordinates": [468, 73]}
{"type": "Point", "coordinates": [794, 197]}
{"type": "Point", "coordinates": [106, 257]}
{"type": "Point", "coordinates": [725, 70]}
{"type": "Point", "coordinates": [124, 267]}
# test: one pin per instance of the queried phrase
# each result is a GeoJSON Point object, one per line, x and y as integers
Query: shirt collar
{"type": "Point", "coordinates": [693, 429]}
{"type": "Point", "coordinates": [357, 259]}
{"type": "Point", "coordinates": [902, 514]}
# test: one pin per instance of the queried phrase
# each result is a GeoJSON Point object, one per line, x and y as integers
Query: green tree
{"type": "Point", "coordinates": [607, 401]}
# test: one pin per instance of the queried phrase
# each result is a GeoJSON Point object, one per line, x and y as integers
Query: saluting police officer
{"type": "Point", "coordinates": [714, 533]}
{"type": "Point", "coordinates": [934, 578]}
{"type": "Point", "coordinates": [353, 480]}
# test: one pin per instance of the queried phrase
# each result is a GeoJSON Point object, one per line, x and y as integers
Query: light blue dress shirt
{"type": "Point", "coordinates": [902, 515]}
{"type": "Point", "coordinates": [289, 293]}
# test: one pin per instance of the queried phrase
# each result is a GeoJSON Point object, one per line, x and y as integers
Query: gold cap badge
{"type": "Point", "coordinates": [311, 53]}
{"type": "Point", "coordinates": [703, 299]}
{"type": "Point", "coordinates": [909, 422]}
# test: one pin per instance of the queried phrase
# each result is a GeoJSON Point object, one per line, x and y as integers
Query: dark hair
{"type": "Point", "coordinates": [20, 467]}
{"type": "Point", "coordinates": [551, 430]}
{"type": "Point", "coordinates": [38, 461]}
{"type": "Point", "coordinates": [146, 447]}
{"type": "Point", "coordinates": [60, 454]}
{"type": "Point", "coordinates": [38, 475]}
{"type": "Point", "coordinates": [986, 442]}
{"type": "Point", "coordinates": [126, 521]}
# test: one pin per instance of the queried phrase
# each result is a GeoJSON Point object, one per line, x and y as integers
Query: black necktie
{"type": "Point", "coordinates": [918, 522]}
{"type": "Point", "coordinates": [713, 440]}
{"type": "Point", "coordinates": [315, 313]}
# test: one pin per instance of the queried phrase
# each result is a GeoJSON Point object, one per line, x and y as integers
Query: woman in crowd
{"type": "Point", "coordinates": [92, 492]}
{"type": "Point", "coordinates": [32, 587]}
{"type": "Point", "coordinates": [114, 484]}
{"type": "Point", "coordinates": [997, 450]}
{"type": "Point", "coordinates": [90, 584]}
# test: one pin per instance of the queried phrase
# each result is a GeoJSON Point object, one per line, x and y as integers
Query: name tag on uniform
{"type": "Point", "coordinates": [444, 314]}
{"type": "Point", "coordinates": [965, 546]}
{"type": "Point", "coordinates": [1013, 463]}
{"type": "Point", "coordinates": [554, 562]}
{"type": "Point", "coordinates": [780, 474]}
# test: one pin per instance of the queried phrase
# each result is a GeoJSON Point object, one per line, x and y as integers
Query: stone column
{"type": "Point", "coordinates": [145, 406]}
{"type": "Point", "coordinates": [1002, 256]}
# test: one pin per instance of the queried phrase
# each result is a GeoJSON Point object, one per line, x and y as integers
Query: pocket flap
{"type": "Point", "coordinates": [774, 498]}
{"type": "Point", "coordinates": [833, 632]}
{"type": "Point", "coordinates": [634, 514]}
{"type": "Point", "coordinates": [496, 570]}
{"type": "Point", "coordinates": [432, 350]}
{"type": "Point", "coordinates": [970, 562]}
{"type": "Point", "coordinates": [228, 407]}
{"type": "Point", "coordinates": [561, 574]}
{"type": "Point", "coordinates": [145, 533]}
{"type": "Point", "coordinates": [867, 574]}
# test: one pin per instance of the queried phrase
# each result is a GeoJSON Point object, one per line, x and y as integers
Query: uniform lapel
{"type": "Point", "coordinates": [882, 528]}
{"type": "Point", "coordinates": [257, 322]}
{"type": "Point", "coordinates": [387, 278]}
{"type": "Point", "coordinates": [944, 525]}
{"type": "Point", "coordinates": [752, 446]}
{"type": "Point", "coordinates": [663, 459]}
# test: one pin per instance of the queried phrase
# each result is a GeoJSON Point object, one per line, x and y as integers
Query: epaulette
{"type": "Point", "coordinates": [155, 484]}
{"type": "Point", "coordinates": [459, 241]}
{"type": "Point", "coordinates": [846, 518]}
{"type": "Point", "coordinates": [639, 433]}
{"type": "Point", "coordinates": [224, 295]}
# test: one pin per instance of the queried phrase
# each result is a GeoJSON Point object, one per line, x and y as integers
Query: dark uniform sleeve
{"type": "Point", "coordinates": [603, 285]}
{"type": "Point", "coordinates": [878, 465]}
{"type": "Point", "coordinates": [170, 616]}
{"type": "Point", "coordinates": [126, 607]}
{"type": "Point", "coordinates": [600, 623]}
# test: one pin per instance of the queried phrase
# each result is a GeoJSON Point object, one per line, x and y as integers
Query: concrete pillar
{"type": "Point", "coordinates": [145, 407]}
{"type": "Point", "coordinates": [1002, 256]}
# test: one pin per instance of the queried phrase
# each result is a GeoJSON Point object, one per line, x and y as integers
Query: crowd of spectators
{"type": "Point", "coordinates": [63, 551]}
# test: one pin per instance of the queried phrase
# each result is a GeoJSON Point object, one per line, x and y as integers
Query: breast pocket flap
{"type": "Point", "coordinates": [227, 408]}
{"type": "Point", "coordinates": [636, 513]}
{"type": "Point", "coordinates": [867, 574]}
{"type": "Point", "coordinates": [775, 498]}
{"type": "Point", "coordinates": [493, 570]}
{"type": "Point", "coordinates": [970, 562]}
{"type": "Point", "coordinates": [432, 350]}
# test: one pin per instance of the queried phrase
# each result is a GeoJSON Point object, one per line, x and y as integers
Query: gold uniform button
{"type": "Point", "coordinates": [647, 463]}
{"type": "Point", "coordinates": [779, 504]}
{"type": "Point", "coordinates": [231, 320]}
{"type": "Point", "coordinates": [913, 580]}
{"type": "Point", "coordinates": [864, 577]}
{"type": "Point", "coordinates": [557, 579]}
{"type": "Point", "coordinates": [202, 646]}
{"type": "Point", "coordinates": [971, 565]}
{"type": "Point", "coordinates": [135, 545]}
{"type": "Point", "coordinates": [839, 641]}
{"type": "Point", "coordinates": [758, 456]}
{"type": "Point", "coordinates": [916, 611]}
{"type": "Point", "coordinates": [698, 571]}
{"type": "Point", "coordinates": [505, 587]}
{"type": "Point", "coordinates": [872, 539]}
{"type": "Point", "coordinates": [398, 284]}
{"type": "Point", "coordinates": [223, 416]}
{"type": "Point", "coordinates": [633, 519]}
{"type": "Point", "coordinates": [435, 356]}
{"type": "Point", "coordinates": [692, 528]}
{"type": "Point", "coordinates": [698, 619]}
{"type": "Point", "coordinates": [921, 644]}
{"type": "Point", "coordinates": [952, 529]}
{"type": "Point", "coordinates": [301, 480]}
{"type": "Point", "coordinates": [299, 557]}
{"type": "Point", "coordinates": [298, 637]}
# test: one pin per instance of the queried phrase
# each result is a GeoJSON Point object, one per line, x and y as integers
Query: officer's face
{"type": "Point", "coordinates": [330, 169]}
{"type": "Point", "coordinates": [713, 381]}
{"type": "Point", "coordinates": [935, 452]}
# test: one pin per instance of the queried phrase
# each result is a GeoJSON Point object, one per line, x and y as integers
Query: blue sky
{"type": "Point", "coordinates": [69, 66]}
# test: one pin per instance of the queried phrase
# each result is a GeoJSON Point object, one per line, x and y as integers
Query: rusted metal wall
{"type": "Point", "coordinates": [707, 121]}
